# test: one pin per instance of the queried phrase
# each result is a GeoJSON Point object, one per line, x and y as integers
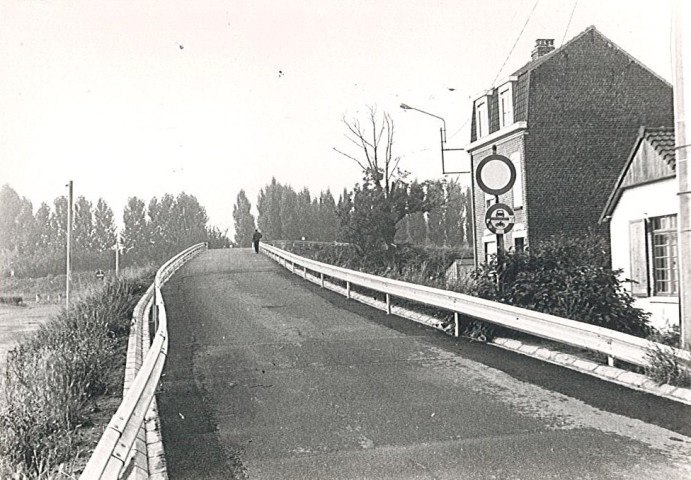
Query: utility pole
{"type": "Point", "coordinates": [682, 129]}
{"type": "Point", "coordinates": [69, 244]}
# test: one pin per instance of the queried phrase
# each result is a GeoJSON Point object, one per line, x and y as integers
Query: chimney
{"type": "Point", "coordinates": [542, 47]}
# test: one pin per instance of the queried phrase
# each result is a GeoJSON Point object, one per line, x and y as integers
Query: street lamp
{"type": "Point", "coordinates": [443, 165]}
{"type": "Point", "coordinates": [442, 129]}
{"type": "Point", "coordinates": [442, 132]}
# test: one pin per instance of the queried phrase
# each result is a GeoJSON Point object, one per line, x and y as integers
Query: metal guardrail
{"type": "Point", "coordinates": [284, 243]}
{"type": "Point", "coordinates": [621, 346]}
{"type": "Point", "coordinates": [114, 456]}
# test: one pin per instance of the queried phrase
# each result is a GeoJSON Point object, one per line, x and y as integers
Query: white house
{"type": "Point", "coordinates": [642, 214]}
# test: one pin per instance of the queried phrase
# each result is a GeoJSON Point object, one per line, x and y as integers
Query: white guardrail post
{"type": "Point", "coordinates": [122, 452]}
{"type": "Point", "coordinates": [613, 344]}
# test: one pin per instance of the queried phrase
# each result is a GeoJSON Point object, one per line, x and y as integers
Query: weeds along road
{"type": "Point", "coordinates": [270, 377]}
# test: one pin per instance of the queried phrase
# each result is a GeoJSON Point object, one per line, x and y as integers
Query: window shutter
{"type": "Point", "coordinates": [639, 259]}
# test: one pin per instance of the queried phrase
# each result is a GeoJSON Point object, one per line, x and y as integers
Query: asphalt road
{"type": "Point", "coordinates": [271, 377]}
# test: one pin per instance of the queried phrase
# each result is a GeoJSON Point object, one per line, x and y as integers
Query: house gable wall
{"type": "Point", "coordinates": [646, 166]}
{"type": "Point", "coordinates": [585, 107]}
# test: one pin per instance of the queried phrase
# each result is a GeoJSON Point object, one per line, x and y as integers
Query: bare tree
{"type": "Point", "coordinates": [375, 142]}
{"type": "Point", "coordinates": [370, 214]}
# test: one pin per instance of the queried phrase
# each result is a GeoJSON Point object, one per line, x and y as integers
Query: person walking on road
{"type": "Point", "coordinates": [255, 240]}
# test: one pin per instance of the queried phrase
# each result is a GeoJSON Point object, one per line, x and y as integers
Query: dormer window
{"type": "Point", "coordinates": [481, 117]}
{"type": "Point", "coordinates": [506, 105]}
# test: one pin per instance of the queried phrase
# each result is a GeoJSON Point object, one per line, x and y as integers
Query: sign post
{"type": "Point", "coordinates": [496, 175]}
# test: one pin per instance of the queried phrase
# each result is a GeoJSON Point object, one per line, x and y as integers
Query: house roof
{"type": "Point", "coordinates": [523, 76]}
{"type": "Point", "coordinates": [533, 64]}
{"type": "Point", "coordinates": [661, 139]}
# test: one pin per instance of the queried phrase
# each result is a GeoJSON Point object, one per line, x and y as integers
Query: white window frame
{"type": "Point", "coordinates": [481, 117]}
{"type": "Point", "coordinates": [506, 117]}
{"type": "Point", "coordinates": [663, 259]}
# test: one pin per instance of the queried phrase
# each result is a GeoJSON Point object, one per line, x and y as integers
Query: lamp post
{"type": "Point", "coordinates": [443, 165]}
{"type": "Point", "coordinates": [442, 133]}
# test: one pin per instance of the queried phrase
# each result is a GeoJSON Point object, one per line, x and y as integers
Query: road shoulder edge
{"type": "Point", "coordinates": [626, 378]}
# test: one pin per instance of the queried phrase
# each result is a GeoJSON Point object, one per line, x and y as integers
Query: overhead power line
{"type": "Point", "coordinates": [575, 3]}
{"type": "Point", "coordinates": [516, 42]}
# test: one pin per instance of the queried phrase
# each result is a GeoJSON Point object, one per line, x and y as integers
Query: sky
{"type": "Point", "coordinates": [142, 98]}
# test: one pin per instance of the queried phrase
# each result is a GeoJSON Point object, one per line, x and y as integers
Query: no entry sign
{"type": "Point", "coordinates": [495, 174]}
{"type": "Point", "coordinates": [499, 218]}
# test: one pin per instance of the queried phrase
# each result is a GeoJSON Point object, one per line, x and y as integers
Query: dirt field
{"type": "Point", "coordinates": [16, 322]}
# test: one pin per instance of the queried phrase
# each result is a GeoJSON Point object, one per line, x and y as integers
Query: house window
{"type": "Point", "coordinates": [482, 118]}
{"type": "Point", "coordinates": [663, 252]}
{"type": "Point", "coordinates": [490, 200]}
{"type": "Point", "coordinates": [505, 106]}
{"type": "Point", "coordinates": [519, 244]}
{"type": "Point", "coordinates": [490, 249]}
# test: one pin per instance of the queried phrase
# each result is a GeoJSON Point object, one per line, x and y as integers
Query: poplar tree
{"type": "Point", "coordinates": [43, 239]}
{"type": "Point", "coordinates": [306, 221]}
{"type": "Point", "coordinates": [135, 236]}
{"type": "Point", "coordinates": [83, 229]}
{"type": "Point", "coordinates": [269, 207]}
{"type": "Point", "coordinates": [289, 214]}
{"type": "Point", "coordinates": [10, 207]}
{"type": "Point", "coordinates": [104, 227]}
{"type": "Point", "coordinates": [243, 220]}
{"type": "Point", "coordinates": [328, 221]}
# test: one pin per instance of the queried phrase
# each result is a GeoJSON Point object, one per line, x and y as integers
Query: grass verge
{"type": "Point", "coordinates": [60, 380]}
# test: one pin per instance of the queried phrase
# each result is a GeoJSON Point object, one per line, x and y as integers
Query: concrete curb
{"type": "Point", "coordinates": [635, 381]}
{"type": "Point", "coordinates": [156, 457]}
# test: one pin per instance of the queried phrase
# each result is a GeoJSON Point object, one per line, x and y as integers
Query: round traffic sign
{"type": "Point", "coordinates": [500, 218]}
{"type": "Point", "coordinates": [495, 174]}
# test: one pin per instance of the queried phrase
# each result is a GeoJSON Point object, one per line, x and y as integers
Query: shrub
{"type": "Point", "coordinates": [567, 277]}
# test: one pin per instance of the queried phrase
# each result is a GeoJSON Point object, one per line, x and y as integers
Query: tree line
{"type": "Point", "coordinates": [287, 214]}
{"type": "Point", "coordinates": [33, 244]}
{"type": "Point", "coordinates": [384, 210]}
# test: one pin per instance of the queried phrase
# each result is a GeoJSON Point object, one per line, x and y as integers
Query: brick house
{"type": "Point", "coordinates": [567, 120]}
{"type": "Point", "coordinates": [641, 213]}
